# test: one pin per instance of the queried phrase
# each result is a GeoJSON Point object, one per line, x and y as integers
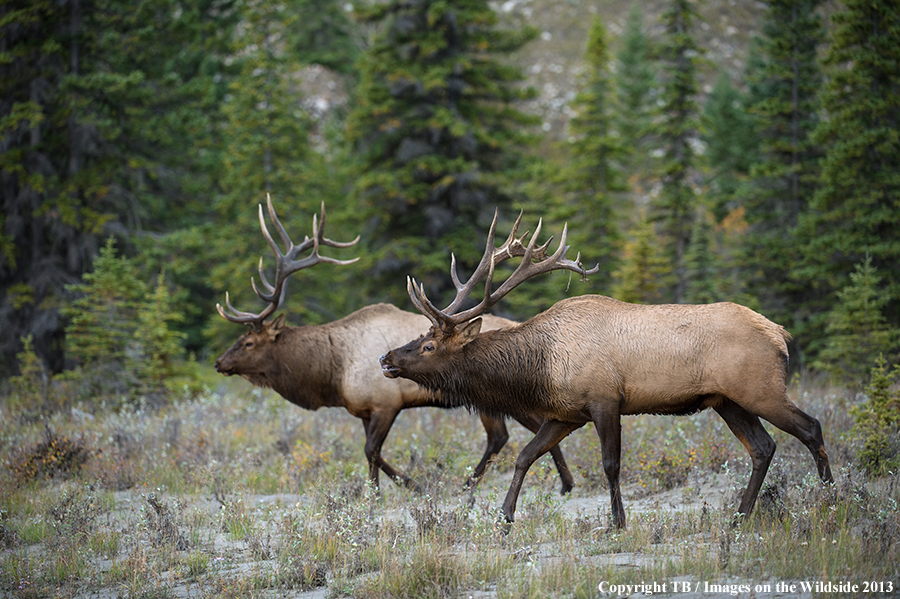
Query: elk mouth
{"type": "Point", "coordinates": [221, 370]}
{"type": "Point", "coordinates": [388, 369]}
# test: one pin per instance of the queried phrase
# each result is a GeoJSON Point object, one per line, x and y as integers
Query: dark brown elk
{"type": "Point", "coordinates": [333, 365]}
{"type": "Point", "coordinates": [595, 359]}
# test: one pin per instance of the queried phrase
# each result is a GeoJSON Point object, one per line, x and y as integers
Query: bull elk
{"type": "Point", "coordinates": [595, 359]}
{"type": "Point", "coordinates": [333, 365]}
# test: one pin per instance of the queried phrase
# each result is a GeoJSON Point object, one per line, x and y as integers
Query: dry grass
{"type": "Point", "coordinates": [240, 494]}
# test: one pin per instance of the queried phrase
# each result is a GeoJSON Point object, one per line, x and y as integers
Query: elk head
{"type": "Point", "coordinates": [252, 355]}
{"type": "Point", "coordinates": [426, 358]}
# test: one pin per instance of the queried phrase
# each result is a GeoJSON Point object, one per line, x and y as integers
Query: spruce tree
{"type": "Point", "coordinates": [323, 34]}
{"type": "Point", "coordinates": [676, 131]}
{"type": "Point", "coordinates": [592, 177]}
{"type": "Point", "coordinates": [635, 80]}
{"type": "Point", "coordinates": [856, 329]}
{"type": "Point", "coordinates": [159, 342]}
{"type": "Point", "coordinates": [784, 81]}
{"type": "Point", "coordinates": [643, 273]}
{"type": "Point", "coordinates": [701, 263]}
{"type": "Point", "coordinates": [438, 137]}
{"type": "Point", "coordinates": [856, 209]}
{"type": "Point", "coordinates": [100, 105]}
{"type": "Point", "coordinates": [876, 422]}
{"type": "Point", "coordinates": [103, 317]}
{"type": "Point", "coordinates": [731, 145]}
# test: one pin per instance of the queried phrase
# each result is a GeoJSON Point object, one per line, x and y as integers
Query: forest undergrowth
{"type": "Point", "coordinates": [237, 493]}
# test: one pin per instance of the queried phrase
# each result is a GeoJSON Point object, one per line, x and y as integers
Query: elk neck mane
{"type": "Point", "coordinates": [501, 372]}
{"type": "Point", "coordinates": [306, 368]}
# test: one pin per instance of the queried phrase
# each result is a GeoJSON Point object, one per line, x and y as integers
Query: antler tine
{"type": "Point", "coordinates": [510, 248]}
{"type": "Point", "coordinates": [464, 289]}
{"type": "Point", "coordinates": [281, 231]}
{"type": "Point", "coordinates": [573, 265]}
{"type": "Point", "coordinates": [285, 265]}
{"type": "Point", "coordinates": [534, 261]}
{"type": "Point", "coordinates": [421, 302]}
{"type": "Point", "coordinates": [324, 240]}
{"type": "Point", "coordinates": [490, 299]}
{"type": "Point", "coordinates": [235, 315]}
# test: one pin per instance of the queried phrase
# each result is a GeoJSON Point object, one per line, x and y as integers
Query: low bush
{"type": "Point", "coordinates": [53, 457]}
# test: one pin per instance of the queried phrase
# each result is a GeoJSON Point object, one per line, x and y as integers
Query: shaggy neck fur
{"type": "Point", "coordinates": [499, 373]}
{"type": "Point", "coordinates": [304, 369]}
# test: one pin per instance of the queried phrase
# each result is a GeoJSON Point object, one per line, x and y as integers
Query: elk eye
{"type": "Point", "coordinates": [248, 345]}
{"type": "Point", "coordinates": [428, 347]}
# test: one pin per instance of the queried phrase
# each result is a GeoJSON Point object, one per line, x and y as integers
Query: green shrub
{"type": "Point", "coordinates": [55, 456]}
{"type": "Point", "coordinates": [119, 333]}
{"type": "Point", "coordinates": [31, 390]}
{"type": "Point", "coordinates": [877, 422]}
{"type": "Point", "coordinates": [857, 330]}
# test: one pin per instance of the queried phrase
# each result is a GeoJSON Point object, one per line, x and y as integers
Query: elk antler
{"type": "Point", "coordinates": [286, 264]}
{"type": "Point", "coordinates": [534, 262]}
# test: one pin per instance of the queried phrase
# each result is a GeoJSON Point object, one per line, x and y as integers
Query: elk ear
{"type": "Point", "coordinates": [470, 331]}
{"type": "Point", "coordinates": [276, 327]}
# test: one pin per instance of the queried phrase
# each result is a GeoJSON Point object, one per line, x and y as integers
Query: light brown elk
{"type": "Point", "coordinates": [333, 365]}
{"type": "Point", "coordinates": [595, 359]}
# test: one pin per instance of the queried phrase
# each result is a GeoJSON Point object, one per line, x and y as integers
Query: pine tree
{"type": "Point", "coordinates": [677, 130]}
{"type": "Point", "coordinates": [159, 343]}
{"type": "Point", "coordinates": [731, 144]}
{"type": "Point", "coordinates": [98, 112]}
{"type": "Point", "coordinates": [438, 136]}
{"type": "Point", "coordinates": [635, 80]}
{"type": "Point", "coordinates": [856, 329]}
{"type": "Point", "coordinates": [593, 177]}
{"type": "Point", "coordinates": [701, 263]}
{"type": "Point", "coordinates": [643, 273]}
{"type": "Point", "coordinates": [784, 80]}
{"type": "Point", "coordinates": [855, 210]}
{"type": "Point", "coordinates": [102, 317]}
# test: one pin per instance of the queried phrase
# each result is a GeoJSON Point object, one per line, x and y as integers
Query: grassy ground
{"type": "Point", "coordinates": [239, 494]}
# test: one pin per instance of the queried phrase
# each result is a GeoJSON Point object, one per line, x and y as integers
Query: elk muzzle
{"type": "Point", "coordinates": [224, 365]}
{"type": "Point", "coordinates": [387, 368]}
{"type": "Point", "coordinates": [219, 368]}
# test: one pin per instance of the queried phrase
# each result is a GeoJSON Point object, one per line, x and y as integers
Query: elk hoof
{"type": "Point", "coordinates": [503, 527]}
{"type": "Point", "coordinates": [410, 484]}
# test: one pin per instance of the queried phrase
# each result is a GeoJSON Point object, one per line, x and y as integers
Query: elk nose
{"type": "Point", "coordinates": [382, 358]}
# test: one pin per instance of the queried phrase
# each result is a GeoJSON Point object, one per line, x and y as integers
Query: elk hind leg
{"type": "Point", "coordinates": [378, 425]}
{"type": "Point", "coordinates": [760, 445]}
{"type": "Point", "coordinates": [807, 429]}
{"type": "Point", "coordinates": [609, 428]}
{"type": "Point", "coordinates": [550, 434]}
{"type": "Point", "coordinates": [533, 423]}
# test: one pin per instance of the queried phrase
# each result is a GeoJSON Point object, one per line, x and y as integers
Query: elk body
{"type": "Point", "coordinates": [333, 365]}
{"type": "Point", "coordinates": [595, 359]}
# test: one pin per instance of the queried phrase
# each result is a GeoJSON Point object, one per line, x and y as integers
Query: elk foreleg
{"type": "Point", "coordinates": [760, 445]}
{"type": "Point", "coordinates": [377, 426]}
{"type": "Point", "coordinates": [608, 423]}
{"type": "Point", "coordinates": [533, 423]}
{"type": "Point", "coordinates": [497, 436]}
{"type": "Point", "coordinates": [550, 434]}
